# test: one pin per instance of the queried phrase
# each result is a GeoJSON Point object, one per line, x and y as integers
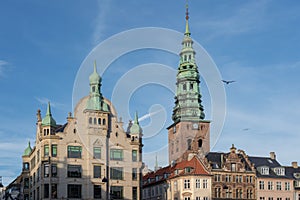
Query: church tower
{"type": "Point", "coordinates": [190, 131]}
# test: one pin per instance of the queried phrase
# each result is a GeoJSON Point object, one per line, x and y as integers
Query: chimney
{"type": "Point", "coordinates": [273, 155]}
{"type": "Point", "coordinates": [295, 164]}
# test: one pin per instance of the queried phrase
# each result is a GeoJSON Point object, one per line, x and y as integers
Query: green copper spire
{"type": "Point", "coordinates": [188, 98]}
{"type": "Point", "coordinates": [28, 150]}
{"type": "Point", "coordinates": [136, 128]}
{"type": "Point", "coordinates": [187, 28]}
{"type": "Point", "coordinates": [48, 119]}
{"type": "Point", "coordinates": [95, 101]}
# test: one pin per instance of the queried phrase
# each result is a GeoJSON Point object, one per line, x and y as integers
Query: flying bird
{"type": "Point", "coordinates": [227, 82]}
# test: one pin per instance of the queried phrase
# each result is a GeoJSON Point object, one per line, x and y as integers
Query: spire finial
{"type": "Point", "coordinates": [187, 29]}
{"type": "Point", "coordinates": [136, 118]}
{"type": "Point", "coordinates": [48, 109]}
{"type": "Point", "coordinates": [95, 67]}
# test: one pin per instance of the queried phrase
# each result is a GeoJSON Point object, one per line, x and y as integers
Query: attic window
{"type": "Point", "coordinates": [265, 170]}
{"type": "Point", "coordinates": [188, 169]}
{"type": "Point", "coordinates": [270, 161]}
{"type": "Point", "coordinates": [176, 172]}
{"type": "Point", "coordinates": [279, 171]}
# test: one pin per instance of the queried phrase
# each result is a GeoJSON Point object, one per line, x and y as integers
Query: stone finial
{"type": "Point", "coordinates": [38, 115]}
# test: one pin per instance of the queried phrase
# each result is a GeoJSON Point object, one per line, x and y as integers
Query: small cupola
{"type": "Point", "coordinates": [48, 119]}
{"type": "Point", "coordinates": [135, 127]}
{"type": "Point", "coordinates": [28, 150]}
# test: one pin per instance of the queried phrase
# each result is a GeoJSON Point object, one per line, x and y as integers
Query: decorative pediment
{"type": "Point", "coordinates": [98, 143]}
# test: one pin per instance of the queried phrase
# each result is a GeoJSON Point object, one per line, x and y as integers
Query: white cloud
{"type": "Point", "coordinates": [3, 65]}
{"type": "Point", "coordinates": [248, 17]}
{"type": "Point", "coordinates": [44, 101]}
{"type": "Point", "coordinates": [100, 21]}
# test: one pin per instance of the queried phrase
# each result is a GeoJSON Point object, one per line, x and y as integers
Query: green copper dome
{"type": "Point", "coordinates": [136, 128]}
{"type": "Point", "coordinates": [48, 119]}
{"type": "Point", "coordinates": [28, 150]}
{"type": "Point", "coordinates": [94, 77]}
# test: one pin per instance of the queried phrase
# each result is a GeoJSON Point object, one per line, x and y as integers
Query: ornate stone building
{"type": "Point", "coordinates": [91, 156]}
{"type": "Point", "coordinates": [233, 175]}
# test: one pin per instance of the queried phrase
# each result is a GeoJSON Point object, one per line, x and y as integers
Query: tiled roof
{"type": "Point", "coordinates": [162, 174]}
{"type": "Point", "coordinates": [291, 171]}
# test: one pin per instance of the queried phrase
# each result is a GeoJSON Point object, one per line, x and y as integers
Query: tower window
{"type": "Point", "coordinates": [185, 57]}
{"type": "Point", "coordinates": [189, 144]}
{"type": "Point", "coordinates": [90, 120]}
{"type": "Point", "coordinates": [200, 142]}
{"type": "Point", "coordinates": [93, 89]}
{"type": "Point", "coordinates": [99, 121]}
{"type": "Point", "coordinates": [184, 86]}
{"type": "Point", "coordinates": [191, 86]}
{"type": "Point", "coordinates": [190, 57]}
{"type": "Point", "coordinates": [103, 121]}
{"type": "Point", "coordinates": [95, 121]}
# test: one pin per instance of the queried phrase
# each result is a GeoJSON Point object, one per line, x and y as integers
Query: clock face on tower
{"type": "Point", "coordinates": [195, 126]}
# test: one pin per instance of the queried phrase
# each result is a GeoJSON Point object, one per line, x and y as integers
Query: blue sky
{"type": "Point", "coordinates": [256, 43]}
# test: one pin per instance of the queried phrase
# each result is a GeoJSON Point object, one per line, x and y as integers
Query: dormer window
{"type": "Point", "coordinates": [279, 171]}
{"type": "Point", "coordinates": [176, 172]}
{"type": "Point", "coordinates": [264, 170]}
{"type": "Point", "coordinates": [188, 169]}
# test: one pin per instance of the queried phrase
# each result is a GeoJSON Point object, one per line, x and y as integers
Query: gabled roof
{"type": "Point", "coordinates": [195, 164]}
{"type": "Point", "coordinates": [156, 177]}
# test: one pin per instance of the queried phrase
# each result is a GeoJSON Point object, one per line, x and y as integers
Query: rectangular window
{"type": "Point", "coordinates": [198, 198]}
{"type": "Point", "coordinates": [261, 185]}
{"type": "Point", "coordinates": [74, 151]}
{"type": "Point", "coordinates": [97, 191]}
{"type": "Point", "coordinates": [54, 191]}
{"type": "Point", "coordinates": [54, 150]}
{"type": "Point", "coordinates": [227, 178]}
{"type": "Point", "coordinates": [54, 170]}
{"type": "Point", "coordinates": [74, 171]}
{"type": "Point", "coordinates": [38, 174]}
{"type": "Point", "coordinates": [287, 186]}
{"type": "Point", "coordinates": [270, 185]}
{"type": "Point", "coordinates": [175, 186]}
{"type": "Point", "coordinates": [97, 152]}
{"type": "Point", "coordinates": [278, 185]}
{"type": "Point", "coordinates": [26, 183]}
{"type": "Point", "coordinates": [186, 184]}
{"type": "Point", "coordinates": [97, 171]}
{"type": "Point", "coordinates": [134, 174]}
{"type": "Point", "coordinates": [116, 173]}
{"type": "Point", "coordinates": [116, 154]}
{"type": "Point", "coordinates": [116, 192]}
{"type": "Point", "coordinates": [74, 191]}
{"type": "Point", "coordinates": [134, 156]}
{"type": "Point", "coordinates": [217, 177]}
{"type": "Point", "coordinates": [46, 190]}
{"type": "Point", "coordinates": [205, 184]}
{"type": "Point", "coordinates": [134, 193]}
{"type": "Point", "coordinates": [198, 183]}
{"type": "Point", "coordinates": [46, 150]}
{"type": "Point", "coordinates": [46, 170]}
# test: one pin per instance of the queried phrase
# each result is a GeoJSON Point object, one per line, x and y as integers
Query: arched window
{"type": "Point", "coordinates": [189, 144]}
{"type": "Point", "coordinates": [93, 89]}
{"type": "Point", "coordinates": [200, 143]}
{"type": "Point", "coordinates": [90, 120]}
{"type": "Point", "coordinates": [191, 86]}
{"type": "Point", "coordinates": [99, 121]}
{"type": "Point", "coordinates": [184, 87]}
{"type": "Point", "coordinates": [95, 121]}
{"type": "Point", "coordinates": [185, 57]}
{"type": "Point", "coordinates": [190, 57]}
{"type": "Point", "coordinates": [103, 122]}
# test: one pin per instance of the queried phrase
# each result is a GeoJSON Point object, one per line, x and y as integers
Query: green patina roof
{"type": "Point", "coordinates": [28, 150]}
{"type": "Point", "coordinates": [95, 101]}
{"type": "Point", "coordinates": [136, 128]}
{"type": "Point", "coordinates": [94, 77]}
{"type": "Point", "coordinates": [48, 119]}
{"type": "Point", "coordinates": [188, 105]}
